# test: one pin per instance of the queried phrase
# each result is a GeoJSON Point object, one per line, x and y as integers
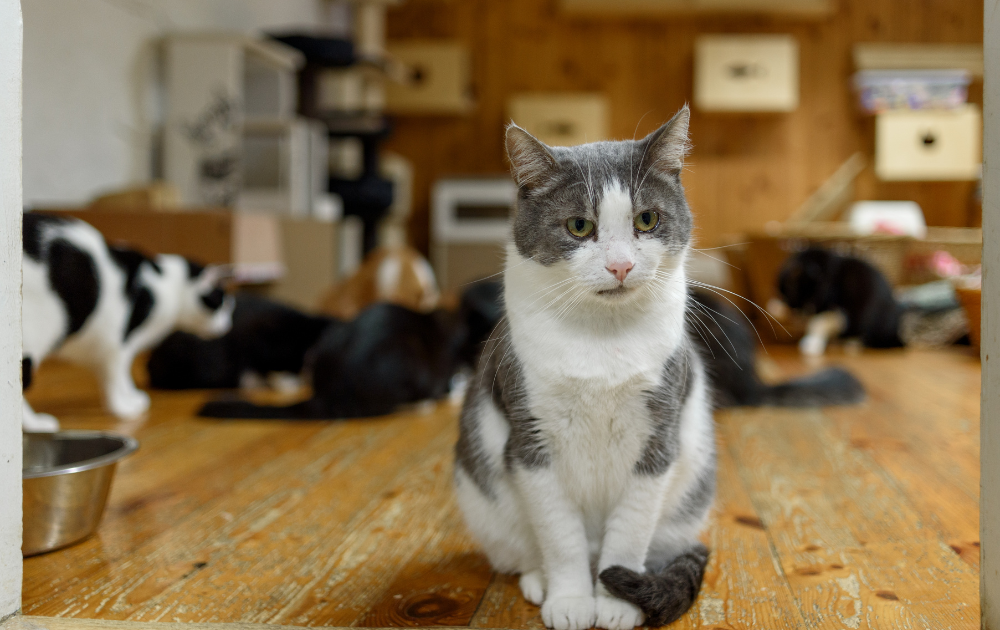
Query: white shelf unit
{"type": "Point", "coordinates": [231, 135]}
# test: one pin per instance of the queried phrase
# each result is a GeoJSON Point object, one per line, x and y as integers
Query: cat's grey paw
{"type": "Point", "coordinates": [569, 613]}
{"type": "Point", "coordinates": [533, 587]}
{"type": "Point", "coordinates": [40, 423]}
{"type": "Point", "coordinates": [130, 405]}
{"type": "Point", "coordinates": [617, 614]}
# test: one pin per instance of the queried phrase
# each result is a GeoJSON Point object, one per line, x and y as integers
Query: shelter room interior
{"type": "Point", "coordinates": [339, 168]}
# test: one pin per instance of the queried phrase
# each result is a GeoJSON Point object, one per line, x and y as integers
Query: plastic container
{"type": "Point", "coordinates": [883, 90]}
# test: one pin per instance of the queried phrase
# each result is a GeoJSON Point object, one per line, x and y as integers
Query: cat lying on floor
{"type": "Point", "coordinates": [268, 339]}
{"type": "Point", "coordinates": [728, 346]}
{"type": "Point", "coordinates": [387, 356]}
{"type": "Point", "coordinates": [847, 297]}
{"type": "Point", "coordinates": [99, 306]}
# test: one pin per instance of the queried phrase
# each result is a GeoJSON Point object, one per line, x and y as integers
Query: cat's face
{"type": "Point", "coordinates": [801, 281]}
{"type": "Point", "coordinates": [205, 309]}
{"type": "Point", "coordinates": [609, 218]}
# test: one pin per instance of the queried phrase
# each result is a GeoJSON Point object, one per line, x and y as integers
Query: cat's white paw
{"type": "Point", "coordinates": [568, 613]}
{"type": "Point", "coordinates": [39, 423]}
{"type": "Point", "coordinates": [812, 345]}
{"type": "Point", "coordinates": [533, 587]}
{"type": "Point", "coordinates": [617, 614]}
{"type": "Point", "coordinates": [129, 405]}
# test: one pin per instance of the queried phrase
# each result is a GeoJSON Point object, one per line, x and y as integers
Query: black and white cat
{"type": "Point", "coordinates": [586, 442]}
{"type": "Point", "coordinates": [100, 306]}
{"type": "Point", "coordinates": [843, 296]}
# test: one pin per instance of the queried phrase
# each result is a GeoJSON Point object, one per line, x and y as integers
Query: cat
{"type": "Point", "coordinates": [586, 443]}
{"type": "Point", "coordinates": [727, 345]}
{"type": "Point", "coordinates": [398, 275]}
{"type": "Point", "coordinates": [267, 339]}
{"type": "Point", "coordinates": [386, 357]}
{"type": "Point", "coordinates": [843, 296]}
{"type": "Point", "coordinates": [100, 306]}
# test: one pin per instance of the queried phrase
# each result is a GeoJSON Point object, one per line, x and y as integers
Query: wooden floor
{"type": "Point", "coordinates": [860, 517]}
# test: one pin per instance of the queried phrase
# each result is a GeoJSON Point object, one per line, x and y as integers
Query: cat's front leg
{"type": "Point", "coordinates": [820, 330]}
{"type": "Point", "coordinates": [628, 534]}
{"type": "Point", "coordinates": [123, 398]}
{"type": "Point", "coordinates": [558, 527]}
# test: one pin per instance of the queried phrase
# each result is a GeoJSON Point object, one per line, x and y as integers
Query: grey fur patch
{"type": "Point", "coordinates": [499, 381]}
{"type": "Point", "coordinates": [665, 404]}
{"type": "Point", "coordinates": [662, 595]}
{"type": "Point", "coordinates": [549, 196]}
{"type": "Point", "coordinates": [699, 496]}
{"type": "Point", "coordinates": [469, 454]}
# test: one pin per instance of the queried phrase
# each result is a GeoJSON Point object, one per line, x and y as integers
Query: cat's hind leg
{"type": "Point", "coordinates": [34, 422]}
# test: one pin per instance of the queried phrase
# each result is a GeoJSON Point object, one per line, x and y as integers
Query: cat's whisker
{"type": "Point", "coordinates": [499, 273]}
{"type": "Point", "coordinates": [708, 249]}
{"type": "Point", "coordinates": [721, 329]}
{"type": "Point", "coordinates": [713, 290]}
{"type": "Point", "coordinates": [768, 317]}
{"type": "Point", "coordinates": [699, 326]}
{"type": "Point", "coordinates": [715, 259]}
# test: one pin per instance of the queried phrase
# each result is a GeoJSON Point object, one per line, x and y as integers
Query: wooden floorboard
{"type": "Point", "coordinates": [857, 517]}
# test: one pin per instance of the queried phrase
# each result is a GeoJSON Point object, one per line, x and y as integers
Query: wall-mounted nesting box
{"type": "Point", "coordinates": [436, 78]}
{"type": "Point", "coordinates": [470, 225]}
{"type": "Point", "coordinates": [929, 144]}
{"type": "Point", "coordinates": [561, 119]}
{"type": "Point", "coordinates": [746, 73]}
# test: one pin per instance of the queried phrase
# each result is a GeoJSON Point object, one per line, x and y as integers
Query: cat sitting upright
{"type": "Point", "coordinates": [99, 306]}
{"type": "Point", "coordinates": [586, 444]}
{"type": "Point", "coordinates": [843, 296]}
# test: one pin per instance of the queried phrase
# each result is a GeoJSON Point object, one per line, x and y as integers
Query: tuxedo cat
{"type": "Point", "coordinates": [99, 306]}
{"type": "Point", "coordinates": [844, 297]}
{"type": "Point", "coordinates": [586, 443]}
{"type": "Point", "coordinates": [386, 357]}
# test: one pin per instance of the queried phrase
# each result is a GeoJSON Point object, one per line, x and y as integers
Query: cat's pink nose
{"type": "Point", "coordinates": [620, 269]}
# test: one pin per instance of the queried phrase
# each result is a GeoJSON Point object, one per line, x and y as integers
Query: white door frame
{"type": "Point", "coordinates": [989, 498]}
{"type": "Point", "coordinates": [10, 307]}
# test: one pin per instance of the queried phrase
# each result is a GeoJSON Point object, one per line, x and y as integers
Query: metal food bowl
{"type": "Point", "coordinates": [66, 478]}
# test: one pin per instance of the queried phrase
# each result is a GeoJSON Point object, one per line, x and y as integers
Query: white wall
{"type": "Point", "coordinates": [10, 307]}
{"type": "Point", "coordinates": [89, 72]}
{"type": "Point", "coordinates": [989, 495]}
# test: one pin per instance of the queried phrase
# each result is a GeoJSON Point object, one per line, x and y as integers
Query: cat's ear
{"type": "Point", "coordinates": [668, 146]}
{"type": "Point", "coordinates": [531, 162]}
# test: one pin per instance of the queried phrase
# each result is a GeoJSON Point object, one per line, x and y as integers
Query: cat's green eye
{"type": "Point", "coordinates": [580, 227]}
{"type": "Point", "coordinates": [646, 221]}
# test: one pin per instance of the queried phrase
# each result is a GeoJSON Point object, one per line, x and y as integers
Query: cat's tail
{"type": "Point", "coordinates": [832, 386]}
{"type": "Point", "coordinates": [246, 410]}
{"type": "Point", "coordinates": [664, 595]}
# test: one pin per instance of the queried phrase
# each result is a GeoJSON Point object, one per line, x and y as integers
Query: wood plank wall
{"type": "Point", "coordinates": [745, 170]}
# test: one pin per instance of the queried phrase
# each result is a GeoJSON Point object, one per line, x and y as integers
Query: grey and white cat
{"type": "Point", "coordinates": [100, 306]}
{"type": "Point", "coordinates": [586, 442]}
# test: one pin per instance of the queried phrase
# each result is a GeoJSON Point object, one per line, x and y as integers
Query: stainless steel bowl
{"type": "Point", "coordinates": [67, 477]}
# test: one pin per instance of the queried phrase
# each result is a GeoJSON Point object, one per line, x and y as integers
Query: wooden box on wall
{"type": "Point", "coordinates": [929, 145]}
